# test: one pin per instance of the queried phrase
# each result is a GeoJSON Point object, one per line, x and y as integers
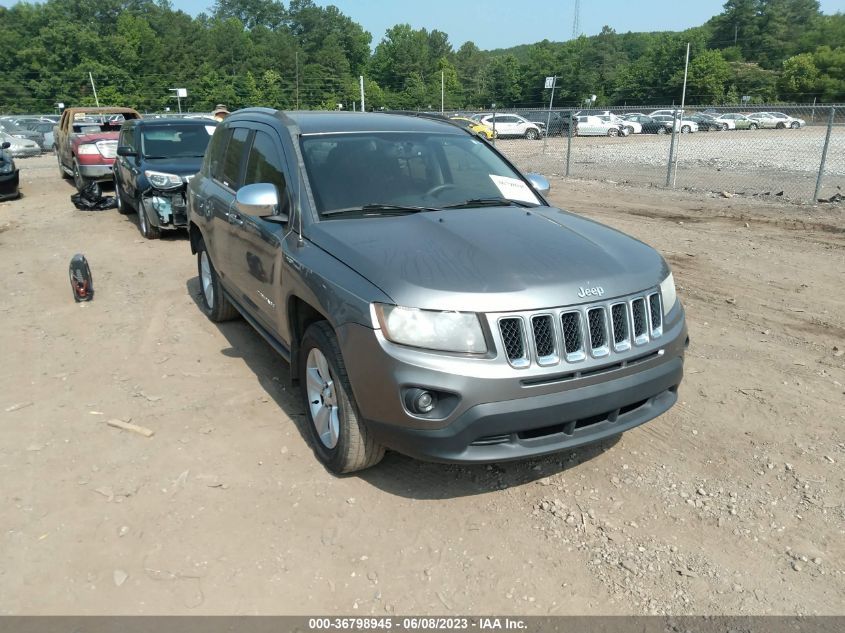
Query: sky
{"type": "Point", "coordinates": [505, 23]}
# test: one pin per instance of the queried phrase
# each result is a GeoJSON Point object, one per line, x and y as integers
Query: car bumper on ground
{"type": "Point", "coordinates": [24, 152]}
{"type": "Point", "coordinates": [9, 185]}
{"type": "Point", "coordinates": [491, 418]}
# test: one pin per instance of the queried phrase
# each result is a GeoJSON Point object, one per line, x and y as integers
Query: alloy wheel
{"type": "Point", "coordinates": [322, 398]}
{"type": "Point", "coordinates": [206, 280]}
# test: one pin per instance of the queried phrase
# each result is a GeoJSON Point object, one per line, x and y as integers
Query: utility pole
{"type": "Point", "coordinates": [96, 99]}
{"type": "Point", "coordinates": [296, 58]}
{"type": "Point", "coordinates": [680, 123]}
{"type": "Point", "coordinates": [442, 91]}
{"type": "Point", "coordinates": [361, 80]}
{"type": "Point", "coordinates": [576, 20]}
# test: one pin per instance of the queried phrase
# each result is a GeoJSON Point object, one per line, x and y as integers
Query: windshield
{"type": "Point", "coordinates": [175, 141]}
{"type": "Point", "coordinates": [349, 171]}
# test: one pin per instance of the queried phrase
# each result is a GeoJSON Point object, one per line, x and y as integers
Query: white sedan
{"type": "Point", "coordinates": [685, 125]}
{"type": "Point", "coordinates": [777, 120]}
{"type": "Point", "coordinates": [589, 125]}
{"type": "Point", "coordinates": [633, 127]}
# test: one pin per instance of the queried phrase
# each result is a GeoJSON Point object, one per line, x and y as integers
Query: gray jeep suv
{"type": "Point", "coordinates": [427, 297]}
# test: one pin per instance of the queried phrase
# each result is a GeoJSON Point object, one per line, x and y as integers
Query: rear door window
{"type": "Point", "coordinates": [233, 160]}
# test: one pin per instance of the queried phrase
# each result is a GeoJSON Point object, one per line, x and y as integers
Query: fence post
{"type": "Point", "coordinates": [824, 155]}
{"type": "Point", "coordinates": [674, 131]}
{"type": "Point", "coordinates": [569, 140]}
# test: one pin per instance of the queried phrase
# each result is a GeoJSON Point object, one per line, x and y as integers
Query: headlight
{"type": "Point", "coordinates": [160, 180]}
{"type": "Point", "coordinates": [432, 329]}
{"type": "Point", "coordinates": [667, 292]}
{"type": "Point", "coordinates": [87, 149]}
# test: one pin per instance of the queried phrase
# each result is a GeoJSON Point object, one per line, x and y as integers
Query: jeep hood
{"type": "Point", "coordinates": [495, 259]}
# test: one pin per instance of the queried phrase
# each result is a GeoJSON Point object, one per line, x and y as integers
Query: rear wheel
{"type": "Point", "coordinates": [753, 126]}
{"type": "Point", "coordinates": [531, 134]}
{"type": "Point", "coordinates": [685, 129]}
{"type": "Point", "coordinates": [724, 127]}
{"type": "Point", "coordinates": [628, 130]}
{"type": "Point", "coordinates": [613, 132]}
{"type": "Point", "coordinates": [341, 440]}
{"type": "Point", "coordinates": [212, 300]}
{"type": "Point", "coordinates": [662, 130]}
{"type": "Point", "coordinates": [781, 126]}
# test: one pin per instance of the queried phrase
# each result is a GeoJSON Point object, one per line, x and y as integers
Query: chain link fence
{"type": "Point", "coordinates": [791, 152]}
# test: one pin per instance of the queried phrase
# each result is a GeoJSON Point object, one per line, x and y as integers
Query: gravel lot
{"type": "Point", "coordinates": [731, 503]}
{"type": "Point", "coordinates": [738, 161]}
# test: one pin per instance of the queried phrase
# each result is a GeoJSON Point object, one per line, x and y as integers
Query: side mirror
{"type": "Point", "coordinates": [260, 199]}
{"type": "Point", "coordinates": [5, 145]}
{"type": "Point", "coordinates": [125, 150]}
{"type": "Point", "coordinates": [539, 182]}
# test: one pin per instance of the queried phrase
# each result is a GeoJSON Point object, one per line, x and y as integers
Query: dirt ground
{"type": "Point", "coordinates": [731, 503]}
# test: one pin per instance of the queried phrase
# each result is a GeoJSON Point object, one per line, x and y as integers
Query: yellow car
{"type": "Point", "coordinates": [475, 127]}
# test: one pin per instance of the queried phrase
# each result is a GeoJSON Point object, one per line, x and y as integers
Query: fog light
{"type": "Point", "coordinates": [162, 207]}
{"type": "Point", "coordinates": [420, 401]}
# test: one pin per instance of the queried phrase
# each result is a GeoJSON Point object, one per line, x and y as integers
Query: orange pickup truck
{"type": "Point", "coordinates": [86, 142]}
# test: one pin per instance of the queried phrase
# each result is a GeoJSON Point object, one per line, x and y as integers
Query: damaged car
{"type": "Point", "coordinates": [9, 176]}
{"type": "Point", "coordinates": [155, 160]}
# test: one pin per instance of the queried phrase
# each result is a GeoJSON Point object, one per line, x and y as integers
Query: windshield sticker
{"type": "Point", "coordinates": [514, 189]}
{"type": "Point", "coordinates": [210, 129]}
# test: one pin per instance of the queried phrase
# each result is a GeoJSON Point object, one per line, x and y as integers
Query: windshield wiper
{"type": "Point", "coordinates": [377, 209]}
{"type": "Point", "coordinates": [488, 202]}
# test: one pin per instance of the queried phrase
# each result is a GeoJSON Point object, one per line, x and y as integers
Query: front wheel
{"type": "Point", "coordinates": [753, 126]}
{"type": "Point", "coordinates": [724, 127]}
{"type": "Point", "coordinates": [613, 132]}
{"type": "Point", "coordinates": [662, 130]}
{"type": "Point", "coordinates": [341, 440]}
{"type": "Point", "coordinates": [147, 229]}
{"type": "Point", "coordinates": [212, 300]}
{"type": "Point", "coordinates": [794, 125]}
{"type": "Point", "coordinates": [532, 134]}
{"type": "Point", "coordinates": [62, 171]}
{"type": "Point", "coordinates": [685, 129]}
{"type": "Point", "coordinates": [122, 207]}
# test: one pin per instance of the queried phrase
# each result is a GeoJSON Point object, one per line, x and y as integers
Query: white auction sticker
{"type": "Point", "coordinates": [514, 189]}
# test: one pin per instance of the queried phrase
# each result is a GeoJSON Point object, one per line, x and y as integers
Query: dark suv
{"type": "Point", "coordinates": [428, 298]}
{"type": "Point", "coordinates": [155, 160]}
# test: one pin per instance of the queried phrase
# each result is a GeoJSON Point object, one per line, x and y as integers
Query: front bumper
{"type": "Point", "coordinates": [497, 416]}
{"type": "Point", "coordinates": [24, 152]}
{"type": "Point", "coordinates": [96, 172]}
{"type": "Point", "coordinates": [9, 185]}
{"type": "Point", "coordinates": [166, 209]}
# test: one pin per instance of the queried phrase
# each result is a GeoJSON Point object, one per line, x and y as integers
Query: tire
{"type": "Point", "coordinates": [212, 300]}
{"type": "Point", "coordinates": [753, 126]}
{"type": "Point", "coordinates": [147, 230]}
{"type": "Point", "coordinates": [343, 443]}
{"type": "Point", "coordinates": [724, 127]}
{"type": "Point", "coordinates": [613, 132]}
{"type": "Point", "coordinates": [122, 207]}
{"type": "Point", "coordinates": [629, 129]}
{"type": "Point", "coordinates": [531, 134]}
{"type": "Point", "coordinates": [685, 129]}
{"type": "Point", "coordinates": [794, 125]}
{"type": "Point", "coordinates": [662, 130]}
{"type": "Point", "coordinates": [78, 179]}
{"type": "Point", "coordinates": [780, 126]}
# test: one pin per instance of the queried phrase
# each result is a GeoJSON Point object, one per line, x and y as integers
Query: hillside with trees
{"type": "Point", "coordinates": [300, 55]}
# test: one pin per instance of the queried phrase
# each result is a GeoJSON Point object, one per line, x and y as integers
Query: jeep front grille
{"type": "Point", "coordinates": [571, 335]}
{"type": "Point", "coordinates": [513, 336]}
